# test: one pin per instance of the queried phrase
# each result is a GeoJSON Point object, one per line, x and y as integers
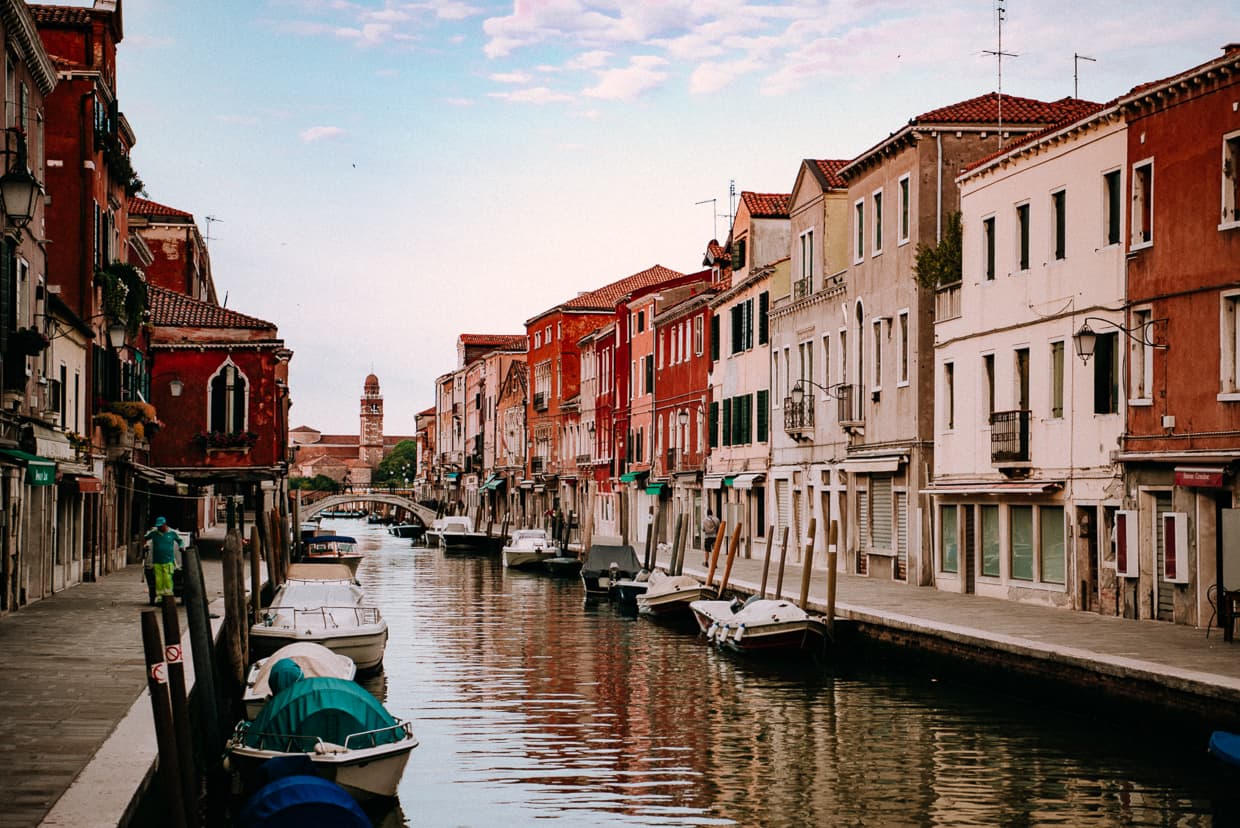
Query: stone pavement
{"type": "Point", "coordinates": [74, 706]}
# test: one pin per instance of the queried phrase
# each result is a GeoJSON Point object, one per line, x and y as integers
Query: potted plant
{"type": "Point", "coordinates": [225, 440]}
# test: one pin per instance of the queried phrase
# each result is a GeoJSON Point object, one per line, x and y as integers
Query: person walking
{"type": "Point", "coordinates": [163, 556]}
{"type": "Point", "coordinates": [710, 528]}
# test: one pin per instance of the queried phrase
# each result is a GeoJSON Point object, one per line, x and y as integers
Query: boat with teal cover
{"type": "Point", "coordinates": [349, 737]}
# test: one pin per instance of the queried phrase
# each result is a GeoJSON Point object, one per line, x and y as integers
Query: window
{"type": "Point", "coordinates": [714, 425]}
{"type": "Point", "coordinates": [904, 344]}
{"type": "Point", "coordinates": [764, 306]}
{"type": "Point", "coordinates": [714, 339]}
{"type": "Point", "coordinates": [1059, 207]}
{"type": "Point", "coordinates": [1022, 378]}
{"type": "Point", "coordinates": [649, 373]}
{"type": "Point", "coordinates": [1229, 347]}
{"type": "Point", "coordinates": [1022, 236]}
{"type": "Point", "coordinates": [1020, 541]}
{"type": "Point", "coordinates": [671, 358]}
{"type": "Point", "coordinates": [641, 321]}
{"type": "Point", "coordinates": [878, 354]}
{"type": "Point", "coordinates": [1141, 357]}
{"type": "Point", "coordinates": [742, 325]}
{"type": "Point", "coordinates": [859, 231]}
{"type": "Point", "coordinates": [547, 334]}
{"type": "Point", "coordinates": [904, 209]}
{"type": "Point", "coordinates": [990, 540]}
{"type": "Point", "coordinates": [988, 375]}
{"type": "Point", "coordinates": [1057, 379]}
{"type": "Point", "coordinates": [1142, 221]}
{"type": "Point", "coordinates": [1050, 544]}
{"type": "Point", "coordinates": [949, 396]}
{"type": "Point", "coordinates": [1106, 374]}
{"type": "Point", "coordinates": [805, 352]}
{"type": "Point", "coordinates": [727, 422]}
{"type": "Point", "coordinates": [229, 403]}
{"type": "Point", "coordinates": [1111, 209]}
{"type": "Point", "coordinates": [826, 361]}
{"type": "Point", "coordinates": [948, 542]}
{"type": "Point", "coordinates": [807, 262]}
{"type": "Point", "coordinates": [764, 415]}
{"type": "Point", "coordinates": [738, 256]}
{"type": "Point", "coordinates": [1231, 179]}
{"type": "Point", "coordinates": [697, 335]}
{"type": "Point", "coordinates": [878, 222]}
{"type": "Point", "coordinates": [537, 339]}
{"type": "Point", "coordinates": [988, 240]}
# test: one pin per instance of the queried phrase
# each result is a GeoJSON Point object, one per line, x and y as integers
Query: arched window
{"type": "Point", "coordinates": [228, 400]}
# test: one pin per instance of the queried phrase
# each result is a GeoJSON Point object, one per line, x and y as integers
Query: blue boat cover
{"type": "Point", "coordinates": [317, 539]}
{"type": "Point", "coordinates": [324, 708]}
{"type": "Point", "coordinates": [301, 801]}
{"type": "Point", "coordinates": [1225, 746]}
{"type": "Point", "coordinates": [284, 673]}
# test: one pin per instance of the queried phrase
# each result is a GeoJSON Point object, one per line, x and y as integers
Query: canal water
{"type": "Point", "coordinates": [535, 708]}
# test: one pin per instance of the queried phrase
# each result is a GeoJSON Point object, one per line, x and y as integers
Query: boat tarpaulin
{"type": "Point", "coordinates": [302, 799]}
{"type": "Point", "coordinates": [600, 558]}
{"type": "Point", "coordinates": [330, 709]}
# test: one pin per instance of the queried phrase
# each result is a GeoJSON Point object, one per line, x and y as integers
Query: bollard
{"type": "Point", "coordinates": [808, 568]}
{"type": "Point", "coordinates": [234, 607]}
{"type": "Point", "coordinates": [181, 726]}
{"type": "Point", "coordinates": [714, 554]}
{"type": "Point", "coordinates": [165, 736]}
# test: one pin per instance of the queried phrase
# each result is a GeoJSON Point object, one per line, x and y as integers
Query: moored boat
{"type": "Point", "coordinates": [1226, 746]}
{"type": "Point", "coordinates": [332, 613]}
{"type": "Point", "coordinates": [770, 625]}
{"type": "Point", "coordinates": [337, 549]}
{"type": "Point", "coordinates": [348, 736]}
{"type": "Point", "coordinates": [413, 531]}
{"type": "Point", "coordinates": [302, 800]}
{"type": "Point", "coordinates": [528, 549]}
{"type": "Point", "coordinates": [311, 659]}
{"type": "Point", "coordinates": [710, 614]}
{"type": "Point", "coordinates": [672, 594]}
{"type": "Point", "coordinates": [604, 565]}
{"type": "Point", "coordinates": [457, 536]}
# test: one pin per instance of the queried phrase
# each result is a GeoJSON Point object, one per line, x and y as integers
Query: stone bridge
{"type": "Point", "coordinates": [310, 511]}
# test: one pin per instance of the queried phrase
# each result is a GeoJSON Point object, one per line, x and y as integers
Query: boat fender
{"type": "Point", "coordinates": [710, 631]}
{"type": "Point", "coordinates": [740, 632]}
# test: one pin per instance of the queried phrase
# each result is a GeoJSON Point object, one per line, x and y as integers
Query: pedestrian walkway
{"type": "Point", "coordinates": [1176, 662]}
{"type": "Point", "coordinates": [74, 680]}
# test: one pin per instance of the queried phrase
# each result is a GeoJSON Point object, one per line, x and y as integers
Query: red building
{"type": "Point", "coordinates": [1182, 443]}
{"type": "Point", "coordinates": [178, 252]}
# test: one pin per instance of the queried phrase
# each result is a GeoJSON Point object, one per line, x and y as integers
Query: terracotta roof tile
{"type": "Point", "coordinates": [1082, 113]}
{"type": "Point", "coordinates": [59, 14]}
{"type": "Point", "coordinates": [766, 205]}
{"type": "Point", "coordinates": [607, 296]}
{"type": "Point", "coordinates": [830, 171]}
{"type": "Point", "coordinates": [718, 253]}
{"type": "Point", "coordinates": [1016, 111]}
{"type": "Point", "coordinates": [143, 207]}
{"type": "Point", "coordinates": [508, 342]}
{"type": "Point", "coordinates": [172, 309]}
{"type": "Point", "coordinates": [1230, 54]}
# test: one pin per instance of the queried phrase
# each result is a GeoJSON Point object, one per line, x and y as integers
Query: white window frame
{"type": "Point", "coordinates": [537, 339]}
{"type": "Point", "coordinates": [1106, 207]}
{"type": "Point", "coordinates": [904, 186]}
{"type": "Point", "coordinates": [1147, 198]}
{"type": "Point", "coordinates": [876, 358]}
{"type": "Point", "coordinates": [1057, 391]}
{"type": "Point", "coordinates": [903, 347]}
{"type": "Point", "coordinates": [1028, 265]}
{"type": "Point", "coordinates": [1054, 225]}
{"type": "Point", "coordinates": [859, 231]}
{"type": "Point", "coordinates": [949, 395]}
{"type": "Point", "coordinates": [826, 360]}
{"type": "Point", "coordinates": [990, 248]}
{"type": "Point", "coordinates": [1141, 359]}
{"type": "Point", "coordinates": [876, 215]}
{"type": "Point", "coordinates": [698, 335]}
{"type": "Point", "coordinates": [807, 259]}
{"type": "Point", "coordinates": [1230, 183]}
{"type": "Point", "coordinates": [245, 401]}
{"type": "Point", "coordinates": [1229, 346]}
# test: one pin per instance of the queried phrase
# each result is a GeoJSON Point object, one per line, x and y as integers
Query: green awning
{"type": "Point", "coordinates": [629, 477]}
{"type": "Point", "coordinates": [727, 480]}
{"type": "Point", "coordinates": [655, 488]}
{"type": "Point", "coordinates": [493, 483]}
{"type": "Point", "coordinates": [452, 475]}
{"type": "Point", "coordinates": [39, 470]}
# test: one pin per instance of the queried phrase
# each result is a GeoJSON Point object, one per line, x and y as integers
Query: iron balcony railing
{"type": "Point", "coordinates": [799, 418]}
{"type": "Point", "coordinates": [849, 411]}
{"type": "Point", "coordinates": [802, 287]}
{"type": "Point", "coordinates": [1009, 436]}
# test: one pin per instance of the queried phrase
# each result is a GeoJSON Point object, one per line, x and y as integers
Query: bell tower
{"type": "Point", "coordinates": [370, 438]}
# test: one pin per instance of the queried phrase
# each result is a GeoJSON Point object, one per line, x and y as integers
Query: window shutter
{"type": "Point", "coordinates": [714, 338]}
{"type": "Point", "coordinates": [1127, 548]}
{"type": "Point", "coordinates": [1175, 547]}
{"type": "Point", "coordinates": [748, 324]}
{"type": "Point", "coordinates": [764, 413]}
{"type": "Point", "coordinates": [714, 425]}
{"type": "Point", "coordinates": [727, 422]}
{"type": "Point", "coordinates": [738, 321]}
{"type": "Point", "coordinates": [764, 304]}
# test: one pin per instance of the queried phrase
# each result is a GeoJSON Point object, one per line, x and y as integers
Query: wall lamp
{"type": "Point", "coordinates": [116, 330]}
{"type": "Point", "coordinates": [1142, 334]}
{"type": "Point", "coordinates": [683, 416]}
{"type": "Point", "coordinates": [797, 392]}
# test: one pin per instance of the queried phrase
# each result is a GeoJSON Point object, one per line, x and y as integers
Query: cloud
{"type": "Point", "coordinates": [641, 75]}
{"type": "Point", "coordinates": [534, 95]}
{"type": "Point", "coordinates": [320, 133]}
{"type": "Point", "coordinates": [711, 76]}
{"type": "Point", "coordinates": [458, 102]}
{"type": "Point", "coordinates": [511, 77]}
{"type": "Point", "coordinates": [593, 59]}
{"type": "Point", "coordinates": [387, 73]}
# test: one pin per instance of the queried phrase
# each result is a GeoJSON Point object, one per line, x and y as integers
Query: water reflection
{"type": "Point", "coordinates": [530, 706]}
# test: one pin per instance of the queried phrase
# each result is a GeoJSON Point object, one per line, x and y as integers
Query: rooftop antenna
{"type": "Point", "coordinates": [731, 199]}
{"type": "Point", "coordinates": [206, 240]}
{"type": "Point", "coordinates": [712, 202]}
{"type": "Point", "coordinates": [1000, 10]}
{"type": "Point", "coordinates": [1076, 71]}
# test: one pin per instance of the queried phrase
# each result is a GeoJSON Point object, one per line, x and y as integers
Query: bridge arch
{"type": "Point", "coordinates": [313, 510]}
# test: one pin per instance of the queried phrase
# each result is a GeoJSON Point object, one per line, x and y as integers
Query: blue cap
{"type": "Point", "coordinates": [159, 522]}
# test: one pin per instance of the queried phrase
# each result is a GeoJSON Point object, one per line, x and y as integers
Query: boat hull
{"type": "Point", "coordinates": [526, 558]}
{"type": "Point", "coordinates": [470, 543]}
{"type": "Point", "coordinates": [367, 773]}
{"type": "Point", "coordinates": [776, 637]}
{"type": "Point", "coordinates": [673, 603]}
{"type": "Point", "coordinates": [351, 561]}
{"type": "Point", "coordinates": [1226, 746]}
{"type": "Point", "coordinates": [407, 530]}
{"type": "Point", "coordinates": [629, 591]}
{"type": "Point", "coordinates": [563, 565]}
{"type": "Point", "coordinates": [365, 645]}
{"type": "Point", "coordinates": [710, 613]}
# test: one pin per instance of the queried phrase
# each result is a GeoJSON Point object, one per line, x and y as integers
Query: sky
{"type": "Point", "coordinates": [384, 175]}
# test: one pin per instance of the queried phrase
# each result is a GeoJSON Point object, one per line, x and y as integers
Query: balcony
{"type": "Point", "coordinates": [947, 302]}
{"type": "Point", "coordinates": [537, 465]}
{"type": "Point", "coordinates": [540, 401]}
{"type": "Point", "coordinates": [583, 459]}
{"type": "Point", "coordinates": [1009, 437]}
{"type": "Point", "coordinates": [802, 287]}
{"type": "Point", "coordinates": [850, 410]}
{"type": "Point", "coordinates": [799, 419]}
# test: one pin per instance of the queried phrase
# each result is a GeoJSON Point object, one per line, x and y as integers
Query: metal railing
{"type": "Point", "coordinates": [802, 287]}
{"type": "Point", "coordinates": [1009, 436]}
{"type": "Point", "coordinates": [799, 418]}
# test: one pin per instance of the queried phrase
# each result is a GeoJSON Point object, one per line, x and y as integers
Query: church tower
{"type": "Point", "coordinates": [370, 439]}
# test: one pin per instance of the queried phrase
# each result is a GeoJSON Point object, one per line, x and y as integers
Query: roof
{"type": "Point", "coordinates": [607, 296]}
{"type": "Point", "coordinates": [828, 172]}
{"type": "Point", "coordinates": [77, 16]}
{"type": "Point", "coordinates": [1016, 111]}
{"type": "Point", "coordinates": [1084, 114]}
{"type": "Point", "coordinates": [766, 205]}
{"type": "Point", "coordinates": [511, 342]}
{"type": "Point", "coordinates": [171, 309]}
{"type": "Point", "coordinates": [1231, 52]}
{"type": "Point", "coordinates": [143, 207]}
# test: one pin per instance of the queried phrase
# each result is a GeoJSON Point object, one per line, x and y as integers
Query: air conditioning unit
{"type": "Point", "coordinates": [1175, 547]}
{"type": "Point", "coordinates": [1127, 547]}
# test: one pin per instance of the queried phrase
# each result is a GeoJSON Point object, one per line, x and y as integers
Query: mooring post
{"type": "Point", "coordinates": [808, 566]}
{"type": "Point", "coordinates": [766, 562]}
{"type": "Point", "coordinates": [161, 708]}
{"type": "Point", "coordinates": [714, 554]}
{"type": "Point", "coordinates": [174, 658]}
{"type": "Point", "coordinates": [676, 563]}
{"type": "Point", "coordinates": [832, 559]}
{"type": "Point", "coordinates": [783, 557]}
{"type": "Point", "coordinates": [197, 615]}
{"type": "Point", "coordinates": [727, 567]}
{"type": "Point", "coordinates": [234, 607]}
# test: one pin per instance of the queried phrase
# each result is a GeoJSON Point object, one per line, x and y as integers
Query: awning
{"type": "Point", "coordinates": [493, 483]}
{"type": "Point", "coordinates": [39, 470]}
{"type": "Point", "coordinates": [1200, 477]}
{"type": "Point", "coordinates": [526, 484]}
{"type": "Point", "coordinates": [983, 487]}
{"type": "Point", "coordinates": [452, 476]}
{"type": "Point", "coordinates": [712, 481]}
{"type": "Point", "coordinates": [50, 443]}
{"type": "Point", "coordinates": [729, 479]}
{"type": "Point", "coordinates": [153, 475]}
{"type": "Point", "coordinates": [82, 483]}
{"type": "Point", "coordinates": [747, 480]}
{"type": "Point", "coordinates": [872, 465]}
{"type": "Point", "coordinates": [629, 477]}
{"type": "Point", "coordinates": [655, 488]}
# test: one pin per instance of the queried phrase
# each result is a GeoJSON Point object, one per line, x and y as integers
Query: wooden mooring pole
{"type": "Point", "coordinates": [178, 695]}
{"type": "Point", "coordinates": [832, 560]}
{"type": "Point", "coordinates": [234, 606]}
{"type": "Point", "coordinates": [714, 553]}
{"type": "Point", "coordinates": [676, 564]}
{"type": "Point", "coordinates": [783, 557]}
{"type": "Point", "coordinates": [766, 562]}
{"type": "Point", "coordinates": [198, 618]}
{"type": "Point", "coordinates": [161, 708]}
{"type": "Point", "coordinates": [256, 578]}
{"type": "Point", "coordinates": [727, 567]}
{"type": "Point", "coordinates": [808, 565]}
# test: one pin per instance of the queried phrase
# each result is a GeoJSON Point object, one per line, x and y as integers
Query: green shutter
{"type": "Point", "coordinates": [727, 422]}
{"type": "Point", "coordinates": [714, 422]}
{"type": "Point", "coordinates": [714, 339]}
{"type": "Point", "coordinates": [738, 322]}
{"type": "Point", "coordinates": [764, 413]}
{"type": "Point", "coordinates": [764, 304]}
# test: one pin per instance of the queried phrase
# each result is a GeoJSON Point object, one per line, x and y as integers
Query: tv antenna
{"type": "Point", "coordinates": [712, 202]}
{"type": "Point", "coordinates": [206, 240]}
{"type": "Point", "coordinates": [1076, 70]}
{"type": "Point", "coordinates": [1000, 10]}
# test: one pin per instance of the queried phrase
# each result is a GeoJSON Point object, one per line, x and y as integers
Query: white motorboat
{"type": "Point", "coordinates": [529, 548]}
{"type": "Point", "coordinates": [412, 531]}
{"type": "Point", "coordinates": [671, 594]}
{"type": "Point", "coordinates": [457, 535]}
{"type": "Point", "coordinates": [605, 565]}
{"type": "Point", "coordinates": [333, 613]}
{"type": "Point", "coordinates": [312, 659]}
{"type": "Point", "coordinates": [769, 625]}
{"type": "Point", "coordinates": [340, 549]}
{"type": "Point", "coordinates": [710, 614]}
{"type": "Point", "coordinates": [347, 735]}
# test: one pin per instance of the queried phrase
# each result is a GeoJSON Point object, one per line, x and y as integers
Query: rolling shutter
{"type": "Point", "coordinates": [1166, 592]}
{"type": "Point", "coordinates": [880, 504]}
{"type": "Point", "coordinates": [901, 536]}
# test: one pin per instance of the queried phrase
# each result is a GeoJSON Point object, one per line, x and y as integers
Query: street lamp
{"type": "Point", "coordinates": [683, 416]}
{"type": "Point", "coordinates": [18, 188]}
{"type": "Point", "coordinates": [797, 392]}
{"type": "Point", "coordinates": [1086, 339]}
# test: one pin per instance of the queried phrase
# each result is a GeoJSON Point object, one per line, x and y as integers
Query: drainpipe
{"type": "Point", "coordinates": [938, 193]}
